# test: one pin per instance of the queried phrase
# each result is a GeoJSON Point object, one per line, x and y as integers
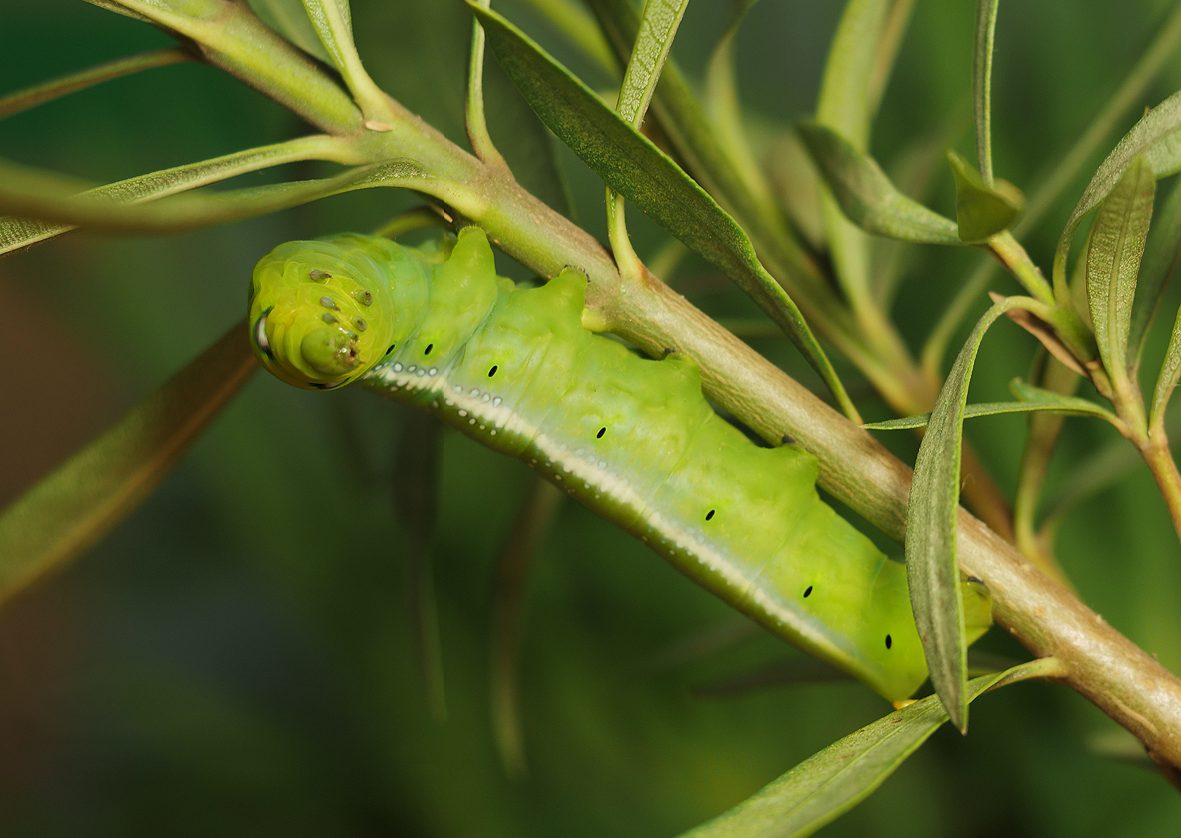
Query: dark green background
{"type": "Point", "coordinates": [236, 657]}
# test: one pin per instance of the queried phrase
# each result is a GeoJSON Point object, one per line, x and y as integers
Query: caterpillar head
{"type": "Point", "coordinates": [313, 318]}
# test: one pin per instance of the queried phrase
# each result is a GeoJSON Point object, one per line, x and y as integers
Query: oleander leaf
{"type": "Point", "coordinates": [68, 201]}
{"type": "Point", "coordinates": [73, 507]}
{"type": "Point", "coordinates": [981, 210]}
{"type": "Point", "coordinates": [982, 88]}
{"type": "Point", "coordinates": [658, 27]}
{"type": "Point", "coordinates": [288, 18]}
{"type": "Point", "coordinates": [846, 107]}
{"type": "Point", "coordinates": [834, 780]}
{"type": "Point", "coordinates": [932, 565]}
{"type": "Point", "coordinates": [866, 195]}
{"type": "Point", "coordinates": [17, 232]}
{"type": "Point", "coordinates": [1161, 256]}
{"type": "Point", "coordinates": [1113, 261]}
{"type": "Point", "coordinates": [1030, 399]}
{"type": "Point", "coordinates": [38, 94]}
{"type": "Point", "coordinates": [1156, 136]}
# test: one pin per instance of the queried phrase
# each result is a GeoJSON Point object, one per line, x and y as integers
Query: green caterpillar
{"type": "Point", "coordinates": [631, 438]}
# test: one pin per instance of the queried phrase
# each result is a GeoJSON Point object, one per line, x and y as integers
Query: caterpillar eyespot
{"type": "Point", "coordinates": [633, 439]}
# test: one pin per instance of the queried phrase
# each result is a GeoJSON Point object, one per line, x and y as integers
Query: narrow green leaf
{"type": "Point", "coordinates": [16, 233]}
{"type": "Point", "coordinates": [39, 94]}
{"type": "Point", "coordinates": [1161, 255]}
{"type": "Point", "coordinates": [658, 27]}
{"type": "Point", "coordinates": [474, 117]}
{"type": "Point", "coordinates": [981, 210]}
{"type": "Point", "coordinates": [415, 484]}
{"type": "Point", "coordinates": [1030, 399]}
{"type": "Point", "coordinates": [72, 508]}
{"type": "Point", "coordinates": [512, 574]}
{"type": "Point", "coordinates": [1170, 372]}
{"type": "Point", "coordinates": [866, 195]}
{"type": "Point", "coordinates": [288, 18]}
{"type": "Point", "coordinates": [982, 85]}
{"type": "Point", "coordinates": [631, 165]}
{"type": "Point", "coordinates": [845, 107]}
{"type": "Point", "coordinates": [1113, 262]}
{"type": "Point", "coordinates": [67, 201]}
{"type": "Point", "coordinates": [932, 567]}
{"type": "Point", "coordinates": [833, 781]}
{"type": "Point", "coordinates": [333, 23]}
{"type": "Point", "coordinates": [117, 8]}
{"type": "Point", "coordinates": [1157, 136]}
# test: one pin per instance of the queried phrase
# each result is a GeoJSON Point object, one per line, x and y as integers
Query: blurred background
{"type": "Point", "coordinates": [238, 657]}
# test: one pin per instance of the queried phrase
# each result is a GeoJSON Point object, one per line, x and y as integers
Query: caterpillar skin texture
{"type": "Point", "coordinates": [631, 438]}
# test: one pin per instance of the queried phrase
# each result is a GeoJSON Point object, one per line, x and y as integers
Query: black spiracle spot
{"type": "Point", "coordinates": [889, 641]}
{"type": "Point", "coordinates": [492, 371]}
{"type": "Point", "coordinates": [602, 431]}
{"type": "Point", "coordinates": [709, 516]}
{"type": "Point", "coordinates": [807, 592]}
{"type": "Point", "coordinates": [429, 348]}
{"type": "Point", "coordinates": [391, 349]}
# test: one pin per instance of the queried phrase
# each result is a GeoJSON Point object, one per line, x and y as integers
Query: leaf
{"type": "Point", "coordinates": [932, 568]}
{"type": "Point", "coordinates": [1113, 262]}
{"type": "Point", "coordinates": [333, 23]}
{"type": "Point", "coordinates": [1030, 399]}
{"type": "Point", "coordinates": [631, 165]}
{"type": "Point", "coordinates": [1157, 136]}
{"type": "Point", "coordinates": [846, 107]}
{"type": "Point", "coordinates": [16, 233]}
{"type": "Point", "coordinates": [72, 508]}
{"type": "Point", "coordinates": [288, 18]}
{"type": "Point", "coordinates": [982, 87]}
{"type": "Point", "coordinates": [38, 94]}
{"type": "Point", "coordinates": [56, 199]}
{"type": "Point", "coordinates": [1161, 255]}
{"type": "Point", "coordinates": [658, 26]}
{"type": "Point", "coordinates": [1170, 372]}
{"type": "Point", "coordinates": [981, 210]}
{"type": "Point", "coordinates": [834, 780]}
{"type": "Point", "coordinates": [866, 195]}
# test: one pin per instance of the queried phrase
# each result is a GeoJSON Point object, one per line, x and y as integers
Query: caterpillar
{"type": "Point", "coordinates": [632, 438]}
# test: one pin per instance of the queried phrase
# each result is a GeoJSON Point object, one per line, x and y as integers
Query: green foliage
{"type": "Point", "coordinates": [261, 646]}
